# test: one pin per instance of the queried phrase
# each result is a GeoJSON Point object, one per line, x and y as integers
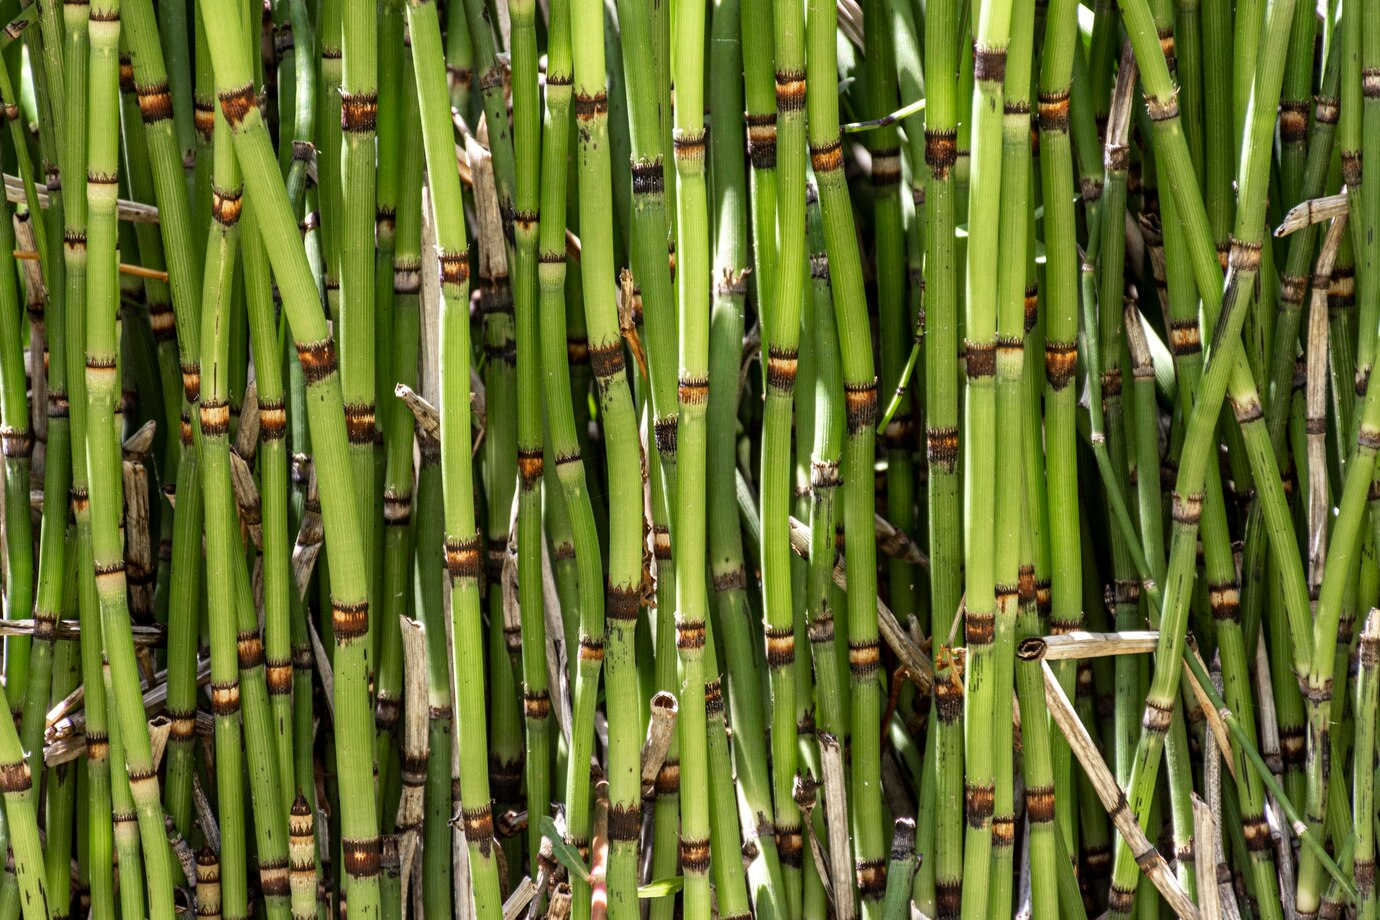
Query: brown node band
{"type": "Point", "coordinates": [871, 876]}
{"type": "Point", "coordinates": [734, 579]}
{"type": "Point", "coordinates": [278, 675]}
{"type": "Point", "coordinates": [790, 91]}
{"type": "Point", "coordinates": [989, 64]}
{"type": "Point", "coordinates": [1244, 255]}
{"type": "Point", "coordinates": [215, 418]}
{"type": "Point", "coordinates": [1003, 831]}
{"type": "Point", "coordinates": [668, 777]}
{"type": "Point", "coordinates": [1326, 109]}
{"type": "Point", "coordinates": [648, 177]}
{"type": "Point", "coordinates": [782, 364]}
{"type": "Point", "coordinates": [249, 648]}
{"type": "Point", "coordinates": [591, 649]}
{"type": "Point", "coordinates": [827, 157]}
{"type": "Point", "coordinates": [625, 822]}
{"type": "Point", "coordinates": [225, 697]}
{"type": "Point", "coordinates": [1187, 509]}
{"type": "Point", "coordinates": [237, 103]}
{"type": "Point", "coordinates": [607, 360]}
{"type": "Point", "coordinates": [318, 360]}
{"type": "Point", "coordinates": [349, 620]}
{"type": "Point", "coordinates": [661, 542]}
{"type": "Point", "coordinates": [361, 857]}
{"type": "Point", "coordinates": [978, 628]}
{"type": "Point", "coordinates": [694, 856]}
{"type": "Point", "coordinates": [1247, 410]}
{"type": "Point", "coordinates": [622, 602]}
{"type": "Point", "coordinates": [1157, 717]}
{"type": "Point", "coordinates": [1039, 804]}
{"type": "Point", "coordinates": [977, 803]}
{"type": "Point", "coordinates": [1293, 121]}
{"type": "Point", "coordinates": [1053, 111]}
{"type": "Point", "coordinates": [359, 423]}
{"type": "Point", "coordinates": [860, 405]}
{"type": "Point", "coordinates": [761, 140]}
{"type": "Point", "coordinates": [14, 777]}
{"type": "Point", "coordinates": [886, 167]}
{"type": "Point", "coordinates": [864, 657]}
{"type": "Point", "coordinates": [690, 635]}
{"type": "Point", "coordinates": [790, 847]}
{"type": "Point", "coordinates": [536, 704]}
{"type": "Point", "coordinates": [155, 102]}
{"type": "Point", "coordinates": [780, 645]}
{"type": "Point", "coordinates": [359, 112]}
{"type": "Point", "coordinates": [455, 267]}
{"type": "Point", "coordinates": [1162, 109]}
{"type": "Point", "coordinates": [588, 106]}
{"type": "Point", "coordinates": [692, 391]}
{"type": "Point", "coordinates": [981, 359]}
{"type": "Point", "coordinates": [272, 420]}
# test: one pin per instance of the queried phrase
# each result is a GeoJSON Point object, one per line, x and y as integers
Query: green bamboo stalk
{"type": "Point", "coordinates": [102, 447]}
{"type": "Point", "coordinates": [880, 77]}
{"type": "Point", "coordinates": [759, 96]}
{"type": "Point", "coordinates": [781, 341]}
{"type": "Point", "coordinates": [129, 862]}
{"type": "Point", "coordinates": [730, 887]}
{"type": "Point", "coordinates": [527, 141]}
{"type": "Point", "coordinates": [1363, 784]}
{"type": "Point", "coordinates": [860, 397]}
{"type": "Point", "coordinates": [692, 219]}
{"type": "Point", "coordinates": [359, 828]}
{"type": "Point", "coordinates": [16, 444]}
{"type": "Point", "coordinates": [355, 244]}
{"type": "Point", "coordinates": [1164, 112]}
{"type": "Point", "coordinates": [732, 617]}
{"type": "Point", "coordinates": [221, 549]}
{"type": "Point", "coordinates": [980, 462]}
{"type": "Point", "coordinates": [462, 552]}
{"type": "Point", "coordinates": [1011, 503]}
{"type": "Point", "coordinates": [273, 496]}
{"type": "Point", "coordinates": [557, 361]}
{"type": "Point", "coordinates": [184, 269]}
{"type": "Point", "coordinates": [393, 562]}
{"type": "Point", "coordinates": [941, 410]}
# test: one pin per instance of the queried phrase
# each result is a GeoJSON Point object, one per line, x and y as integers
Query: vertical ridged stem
{"type": "Point", "coordinates": [349, 581]}
{"type": "Point", "coordinates": [980, 476]}
{"type": "Point", "coordinates": [535, 694]}
{"type": "Point", "coordinates": [221, 549]}
{"type": "Point", "coordinates": [624, 476]}
{"type": "Point", "coordinates": [102, 447]}
{"type": "Point", "coordinates": [860, 402]}
{"type": "Point", "coordinates": [941, 414]}
{"type": "Point", "coordinates": [728, 572]}
{"type": "Point", "coordinates": [692, 219]}
{"type": "Point", "coordinates": [781, 344]}
{"type": "Point", "coordinates": [462, 548]}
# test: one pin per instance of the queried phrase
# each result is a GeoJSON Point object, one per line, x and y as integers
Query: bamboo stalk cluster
{"type": "Point", "coordinates": [853, 458]}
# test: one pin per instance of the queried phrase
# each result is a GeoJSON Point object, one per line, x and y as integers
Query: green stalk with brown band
{"type": "Point", "coordinates": [728, 573]}
{"type": "Point", "coordinates": [781, 343]}
{"type": "Point", "coordinates": [102, 447]}
{"type": "Point", "coordinates": [557, 359]}
{"type": "Point", "coordinates": [1013, 526]}
{"type": "Point", "coordinates": [860, 401]}
{"type": "Point", "coordinates": [316, 351]}
{"type": "Point", "coordinates": [692, 603]}
{"type": "Point", "coordinates": [942, 402]}
{"type": "Point", "coordinates": [980, 477]}
{"type": "Point", "coordinates": [222, 552]}
{"type": "Point", "coordinates": [462, 547]}
{"type": "Point", "coordinates": [527, 140]}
